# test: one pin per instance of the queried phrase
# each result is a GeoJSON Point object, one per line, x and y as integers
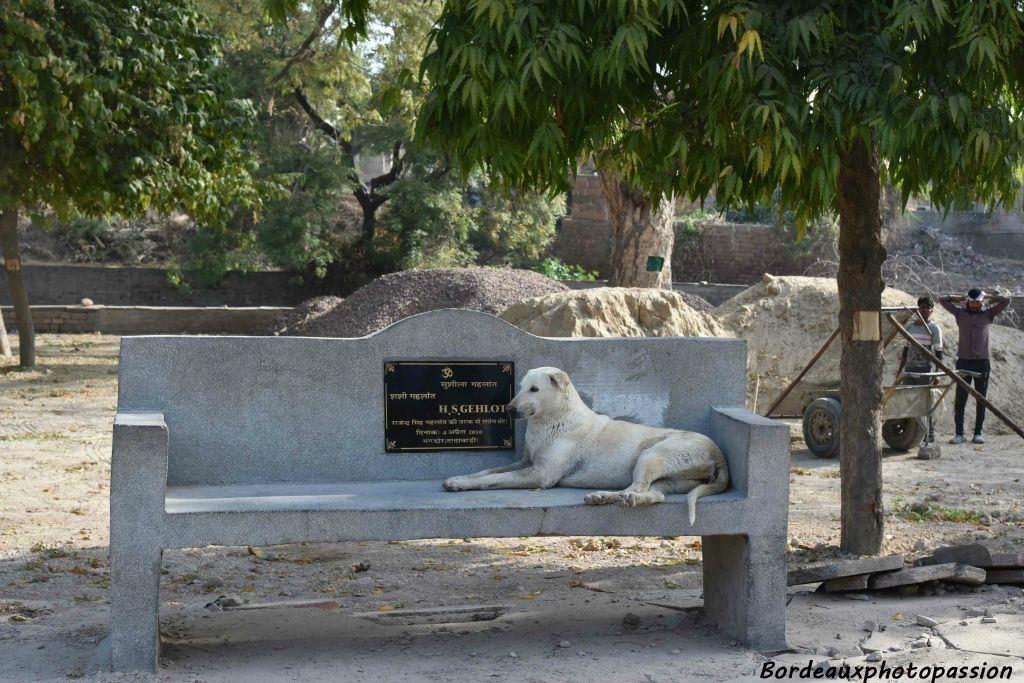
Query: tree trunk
{"type": "Point", "coordinates": [19, 297]}
{"type": "Point", "coordinates": [861, 255]}
{"type": "Point", "coordinates": [640, 229]}
{"type": "Point", "coordinates": [5, 343]}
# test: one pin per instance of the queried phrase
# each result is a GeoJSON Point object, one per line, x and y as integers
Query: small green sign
{"type": "Point", "coordinates": [655, 264]}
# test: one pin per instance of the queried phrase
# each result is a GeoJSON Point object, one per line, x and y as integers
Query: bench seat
{"type": "Point", "coordinates": [268, 514]}
{"type": "Point", "coordinates": [384, 495]}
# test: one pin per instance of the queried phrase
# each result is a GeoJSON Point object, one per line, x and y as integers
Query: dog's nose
{"type": "Point", "coordinates": [509, 409]}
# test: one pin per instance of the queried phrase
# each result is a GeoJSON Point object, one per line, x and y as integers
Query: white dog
{"type": "Point", "coordinates": [568, 444]}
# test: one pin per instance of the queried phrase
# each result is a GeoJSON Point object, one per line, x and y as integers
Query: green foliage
{"type": "Point", "coordinates": [111, 107]}
{"type": "Point", "coordinates": [365, 90]}
{"type": "Point", "coordinates": [84, 230]}
{"type": "Point", "coordinates": [920, 512]}
{"type": "Point", "coordinates": [512, 228]}
{"type": "Point", "coordinates": [354, 14]}
{"type": "Point", "coordinates": [556, 269]}
{"type": "Point", "coordinates": [752, 99]}
{"type": "Point", "coordinates": [425, 225]}
{"type": "Point", "coordinates": [304, 231]}
{"type": "Point", "coordinates": [692, 224]}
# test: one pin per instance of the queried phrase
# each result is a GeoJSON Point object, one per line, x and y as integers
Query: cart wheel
{"type": "Point", "coordinates": [821, 427]}
{"type": "Point", "coordinates": [904, 433]}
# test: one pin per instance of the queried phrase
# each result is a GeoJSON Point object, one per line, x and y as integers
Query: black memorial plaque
{"type": "Point", "coordinates": [448, 406]}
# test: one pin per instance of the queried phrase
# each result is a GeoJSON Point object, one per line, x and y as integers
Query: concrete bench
{"type": "Point", "coordinates": [268, 440]}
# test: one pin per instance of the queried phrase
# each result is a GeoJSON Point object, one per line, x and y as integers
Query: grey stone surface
{"type": "Point", "coordinates": [953, 573]}
{"type": "Point", "coordinates": [882, 641]}
{"type": "Point", "coordinates": [857, 582]}
{"type": "Point", "coordinates": [1000, 638]}
{"type": "Point", "coordinates": [836, 570]}
{"type": "Point", "coordinates": [261, 441]}
{"type": "Point", "coordinates": [138, 476]}
{"type": "Point", "coordinates": [1004, 576]}
{"type": "Point", "coordinates": [950, 662]}
{"type": "Point", "coordinates": [979, 555]}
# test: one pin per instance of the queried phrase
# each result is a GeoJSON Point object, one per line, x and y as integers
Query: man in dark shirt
{"type": "Point", "coordinates": [973, 320]}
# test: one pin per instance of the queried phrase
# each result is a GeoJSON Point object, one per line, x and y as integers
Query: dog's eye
{"type": "Point", "coordinates": [534, 389]}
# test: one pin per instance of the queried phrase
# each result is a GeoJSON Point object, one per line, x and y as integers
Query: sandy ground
{"type": "Point", "coordinates": [567, 599]}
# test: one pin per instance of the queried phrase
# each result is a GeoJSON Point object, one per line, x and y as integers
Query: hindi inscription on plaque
{"type": "Point", "coordinates": [448, 405]}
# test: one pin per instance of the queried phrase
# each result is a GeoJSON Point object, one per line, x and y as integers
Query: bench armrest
{"type": "Point", "coordinates": [138, 474]}
{"type": "Point", "coordinates": [758, 453]}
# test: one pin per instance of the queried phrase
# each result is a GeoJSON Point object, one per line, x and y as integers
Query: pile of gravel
{"type": "Point", "coordinates": [697, 303]}
{"type": "Point", "coordinates": [392, 297]}
{"type": "Point", "coordinates": [305, 313]}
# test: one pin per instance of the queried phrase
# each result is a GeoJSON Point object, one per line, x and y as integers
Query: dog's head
{"type": "Point", "coordinates": [542, 391]}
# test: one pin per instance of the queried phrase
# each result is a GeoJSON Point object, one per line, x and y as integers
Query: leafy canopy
{"type": "Point", "coordinates": [111, 106]}
{"type": "Point", "coordinates": [362, 86]}
{"type": "Point", "coordinates": [747, 98]}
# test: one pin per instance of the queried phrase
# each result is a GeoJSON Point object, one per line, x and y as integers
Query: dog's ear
{"type": "Point", "coordinates": [559, 379]}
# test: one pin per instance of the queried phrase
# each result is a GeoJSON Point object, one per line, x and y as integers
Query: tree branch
{"type": "Point", "coordinates": [325, 13]}
{"type": "Point", "coordinates": [321, 125]}
{"type": "Point", "coordinates": [397, 166]}
{"type": "Point", "coordinates": [440, 171]}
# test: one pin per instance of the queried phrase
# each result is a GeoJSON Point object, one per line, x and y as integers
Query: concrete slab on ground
{"type": "Point", "coordinates": [982, 555]}
{"type": "Point", "coordinates": [847, 583]}
{"type": "Point", "coordinates": [953, 573]}
{"type": "Point", "coordinates": [1004, 576]}
{"type": "Point", "coordinates": [842, 568]}
{"type": "Point", "coordinates": [951, 661]}
{"type": "Point", "coordinates": [1004, 637]}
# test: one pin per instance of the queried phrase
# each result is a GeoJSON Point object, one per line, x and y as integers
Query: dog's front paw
{"type": "Point", "coordinates": [601, 498]}
{"type": "Point", "coordinates": [455, 484]}
{"type": "Point", "coordinates": [632, 499]}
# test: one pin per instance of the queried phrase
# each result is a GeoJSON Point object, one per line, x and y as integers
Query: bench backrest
{"type": "Point", "coordinates": [295, 409]}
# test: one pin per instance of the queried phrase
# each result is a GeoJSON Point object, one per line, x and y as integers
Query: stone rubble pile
{"type": "Point", "coordinates": [971, 564]}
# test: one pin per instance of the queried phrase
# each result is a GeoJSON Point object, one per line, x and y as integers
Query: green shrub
{"type": "Point", "coordinates": [557, 270]}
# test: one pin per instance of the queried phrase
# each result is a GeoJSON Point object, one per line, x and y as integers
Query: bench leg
{"type": "Point", "coordinates": [135, 607]}
{"type": "Point", "coordinates": [745, 589]}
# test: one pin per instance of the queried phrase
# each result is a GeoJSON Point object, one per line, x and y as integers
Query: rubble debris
{"type": "Point", "coordinates": [844, 568]}
{"type": "Point", "coordinates": [950, 572]}
{"type": "Point", "coordinates": [982, 555]}
{"type": "Point", "coordinates": [858, 582]}
{"type": "Point", "coordinates": [1004, 575]}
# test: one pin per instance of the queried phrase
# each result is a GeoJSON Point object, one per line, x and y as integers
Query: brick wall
{"type": "Point", "coordinates": [734, 252]}
{"type": "Point", "coordinates": [150, 319]}
{"type": "Point", "coordinates": [584, 235]}
{"type": "Point", "coordinates": [722, 252]}
{"type": "Point", "coordinates": [67, 285]}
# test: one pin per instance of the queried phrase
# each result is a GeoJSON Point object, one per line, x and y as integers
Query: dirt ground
{"type": "Point", "coordinates": [567, 599]}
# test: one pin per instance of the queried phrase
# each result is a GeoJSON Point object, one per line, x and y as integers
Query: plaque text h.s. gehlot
{"type": "Point", "coordinates": [448, 405]}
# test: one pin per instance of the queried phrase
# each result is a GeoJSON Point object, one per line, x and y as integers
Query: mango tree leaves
{"type": "Point", "coordinates": [748, 99]}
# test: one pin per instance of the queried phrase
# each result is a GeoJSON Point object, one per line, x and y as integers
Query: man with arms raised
{"type": "Point", "coordinates": [973, 319]}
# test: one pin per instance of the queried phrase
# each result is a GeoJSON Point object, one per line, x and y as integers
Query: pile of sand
{"type": "Point", "coordinates": [785, 320]}
{"type": "Point", "coordinates": [392, 297]}
{"type": "Point", "coordinates": [613, 312]}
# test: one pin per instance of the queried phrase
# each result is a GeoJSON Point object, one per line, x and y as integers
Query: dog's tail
{"type": "Point", "coordinates": [718, 484]}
